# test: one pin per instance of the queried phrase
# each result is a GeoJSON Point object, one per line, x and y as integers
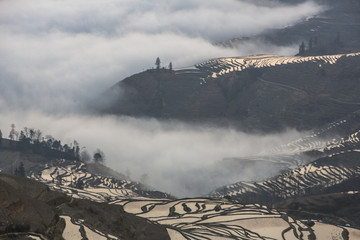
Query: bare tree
{"type": "Point", "coordinates": [26, 132]}
{"type": "Point", "coordinates": [38, 135]}
{"type": "Point", "coordinates": [49, 140]}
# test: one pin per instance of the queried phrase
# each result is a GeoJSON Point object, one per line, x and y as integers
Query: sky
{"type": "Point", "coordinates": [56, 55]}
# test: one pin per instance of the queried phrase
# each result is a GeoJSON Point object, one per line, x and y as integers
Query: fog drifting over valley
{"type": "Point", "coordinates": [178, 158]}
{"type": "Point", "coordinates": [56, 55]}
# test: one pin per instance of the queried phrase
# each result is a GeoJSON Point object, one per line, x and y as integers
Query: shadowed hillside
{"type": "Point", "coordinates": [265, 93]}
{"type": "Point", "coordinates": [30, 208]}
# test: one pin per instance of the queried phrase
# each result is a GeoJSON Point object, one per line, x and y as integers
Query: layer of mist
{"type": "Point", "coordinates": [177, 158]}
{"type": "Point", "coordinates": [56, 56]}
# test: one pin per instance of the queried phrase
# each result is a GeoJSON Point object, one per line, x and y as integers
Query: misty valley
{"type": "Point", "coordinates": [181, 120]}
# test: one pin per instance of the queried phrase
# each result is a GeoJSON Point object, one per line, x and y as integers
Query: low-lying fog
{"type": "Point", "coordinates": [177, 158]}
{"type": "Point", "coordinates": [58, 55]}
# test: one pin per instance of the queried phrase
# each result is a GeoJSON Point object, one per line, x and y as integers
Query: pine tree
{"type": "Point", "coordinates": [170, 66]}
{"type": "Point", "coordinates": [157, 63]}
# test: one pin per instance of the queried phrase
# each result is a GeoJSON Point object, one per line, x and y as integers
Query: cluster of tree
{"type": "Point", "coordinates": [158, 65]}
{"type": "Point", "coordinates": [30, 138]}
{"type": "Point", "coordinates": [28, 134]}
{"type": "Point", "coordinates": [313, 43]}
{"type": "Point", "coordinates": [98, 156]}
{"type": "Point", "coordinates": [33, 139]}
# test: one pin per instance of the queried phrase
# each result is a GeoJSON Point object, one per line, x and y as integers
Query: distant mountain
{"type": "Point", "coordinates": [265, 93]}
{"type": "Point", "coordinates": [334, 31]}
{"type": "Point", "coordinates": [258, 93]}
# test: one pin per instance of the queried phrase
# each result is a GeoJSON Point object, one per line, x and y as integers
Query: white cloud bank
{"type": "Point", "coordinates": [179, 158]}
{"type": "Point", "coordinates": [210, 19]}
{"type": "Point", "coordinates": [58, 54]}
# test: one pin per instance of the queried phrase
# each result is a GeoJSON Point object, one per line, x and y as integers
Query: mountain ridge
{"type": "Point", "coordinates": [264, 94]}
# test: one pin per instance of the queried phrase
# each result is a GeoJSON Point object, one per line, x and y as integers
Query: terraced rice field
{"type": "Point", "coordinates": [75, 181]}
{"type": "Point", "coordinates": [299, 181]}
{"type": "Point", "coordinates": [215, 217]}
{"type": "Point", "coordinates": [293, 183]}
{"type": "Point", "coordinates": [221, 66]}
{"type": "Point", "coordinates": [196, 218]}
{"type": "Point", "coordinates": [319, 141]}
{"type": "Point", "coordinates": [75, 229]}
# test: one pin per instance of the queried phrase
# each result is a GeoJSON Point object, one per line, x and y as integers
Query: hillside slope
{"type": "Point", "coordinates": [99, 206]}
{"type": "Point", "coordinates": [334, 168]}
{"type": "Point", "coordinates": [265, 93]}
{"type": "Point", "coordinates": [30, 209]}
